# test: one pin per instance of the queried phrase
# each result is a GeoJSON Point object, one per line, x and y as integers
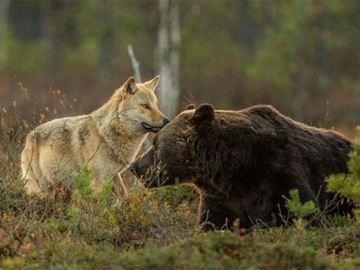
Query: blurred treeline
{"type": "Point", "coordinates": [302, 56]}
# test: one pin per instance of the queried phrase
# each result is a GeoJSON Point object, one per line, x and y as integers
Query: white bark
{"type": "Point", "coordinates": [135, 64]}
{"type": "Point", "coordinates": [168, 56]}
{"type": "Point", "coordinates": [4, 12]}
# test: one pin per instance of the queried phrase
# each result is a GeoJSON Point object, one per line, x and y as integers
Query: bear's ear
{"type": "Point", "coordinates": [203, 114]}
{"type": "Point", "coordinates": [190, 107]}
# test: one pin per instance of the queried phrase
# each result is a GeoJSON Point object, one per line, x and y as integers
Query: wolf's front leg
{"type": "Point", "coordinates": [120, 188]}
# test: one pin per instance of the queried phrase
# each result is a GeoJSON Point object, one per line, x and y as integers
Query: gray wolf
{"type": "Point", "coordinates": [104, 141]}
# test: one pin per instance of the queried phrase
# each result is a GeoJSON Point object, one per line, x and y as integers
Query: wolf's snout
{"type": "Point", "coordinates": [155, 128]}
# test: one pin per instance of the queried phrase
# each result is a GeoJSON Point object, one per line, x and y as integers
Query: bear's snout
{"type": "Point", "coordinates": [137, 170]}
{"type": "Point", "coordinates": [132, 169]}
{"type": "Point", "coordinates": [141, 165]}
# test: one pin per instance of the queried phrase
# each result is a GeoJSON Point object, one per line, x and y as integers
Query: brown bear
{"type": "Point", "coordinates": [244, 162]}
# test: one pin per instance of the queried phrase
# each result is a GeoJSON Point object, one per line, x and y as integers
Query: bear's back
{"type": "Point", "coordinates": [316, 145]}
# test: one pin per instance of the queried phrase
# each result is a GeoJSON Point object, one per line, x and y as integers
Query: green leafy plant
{"type": "Point", "coordinates": [299, 210]}
{"type": "Point", "coordinates": [83, 188]}
{"type": "Point", "coordinates": [104, 195]}
{"type": "Point", "coordinates": [348, 185]}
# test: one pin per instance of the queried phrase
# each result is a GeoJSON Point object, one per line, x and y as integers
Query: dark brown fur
{"type": "Point", "coordinates": [244, 162]}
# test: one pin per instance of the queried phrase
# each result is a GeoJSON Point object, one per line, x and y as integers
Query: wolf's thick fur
{"type": "Point", "coordinates": [105, 141]}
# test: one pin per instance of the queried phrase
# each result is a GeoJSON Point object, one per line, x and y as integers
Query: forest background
{"type": "Point", "coordinates": [300, 56]}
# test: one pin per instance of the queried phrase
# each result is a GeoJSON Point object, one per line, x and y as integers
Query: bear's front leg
{"type": "Point", "coordinates": [213, 215]}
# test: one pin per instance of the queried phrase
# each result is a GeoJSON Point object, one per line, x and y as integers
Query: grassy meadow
{"type": "Point", "coordinates": [153, 229]}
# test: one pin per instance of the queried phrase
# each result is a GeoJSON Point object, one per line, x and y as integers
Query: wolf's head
{"type": "Point", "coordinates": [139, 106]}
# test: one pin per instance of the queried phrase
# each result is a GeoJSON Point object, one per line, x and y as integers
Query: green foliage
{"type": "Point", "coordinates": [25, 57]}
{"type": "Point", "coordinates": [104, 194]}
{"type": "Point", "coordinates": [297, 208]}
{"type": "Point", "coordinates": [177, 195]}
{"type": "Point", "coordinates": [354, 161]}
{"type": "Point", "coordinates": [82, 184]}
{"type": "Point", "coordinates": [348, 185]}
{"type": "Point", "coordinates": [270, 249]}
{"type": "Point", "coordinates": [300, 51]}
{"type": "Point", "coordinates": [148, 232]}
{"type": "Point", "coordinates": [225, 251]}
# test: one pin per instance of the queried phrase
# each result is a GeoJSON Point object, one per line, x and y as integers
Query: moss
{"type": "Point", "coordinates": [152, 231]}
{"type": "Point", "coordinates": [210, 251]}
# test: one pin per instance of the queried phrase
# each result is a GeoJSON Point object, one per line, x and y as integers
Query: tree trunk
{"type": "Point", "coordinates": [105, 42]}
{"type": "Point", "coordinates": [168, 56]}
{"type": "Point", "coordinates": [50, 34]}
{"type": "Point", "coordinates": [4, 12]}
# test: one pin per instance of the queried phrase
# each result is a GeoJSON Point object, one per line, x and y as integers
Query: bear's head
{"type": "Point", "coordinates": [177, 148]}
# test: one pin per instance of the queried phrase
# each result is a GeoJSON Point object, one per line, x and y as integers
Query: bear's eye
{"type": "Point", "coordinates": [146, 106]}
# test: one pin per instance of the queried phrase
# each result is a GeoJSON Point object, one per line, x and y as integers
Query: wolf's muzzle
{"type": "Point", "coordinates": [154, 129]}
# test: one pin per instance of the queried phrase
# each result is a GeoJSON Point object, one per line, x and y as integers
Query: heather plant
{"type": "Point", "coordinates": [144, 218]}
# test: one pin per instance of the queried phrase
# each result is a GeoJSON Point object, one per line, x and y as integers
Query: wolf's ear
{"type": "Point", "coordinates": [204, 114]}
{"type": "Point", "coordinates": [130, 86]}
{"type": "Point", "coordinates": [190, 107]}
{"type": "Point", "coordinates": [152, 84]}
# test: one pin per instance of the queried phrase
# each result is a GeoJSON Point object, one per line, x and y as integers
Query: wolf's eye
{"type": "Point", "coordinates": [146, 106]}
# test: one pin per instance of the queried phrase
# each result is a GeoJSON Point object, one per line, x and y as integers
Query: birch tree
{"type": "Point", "coordinates": [168, 56]}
